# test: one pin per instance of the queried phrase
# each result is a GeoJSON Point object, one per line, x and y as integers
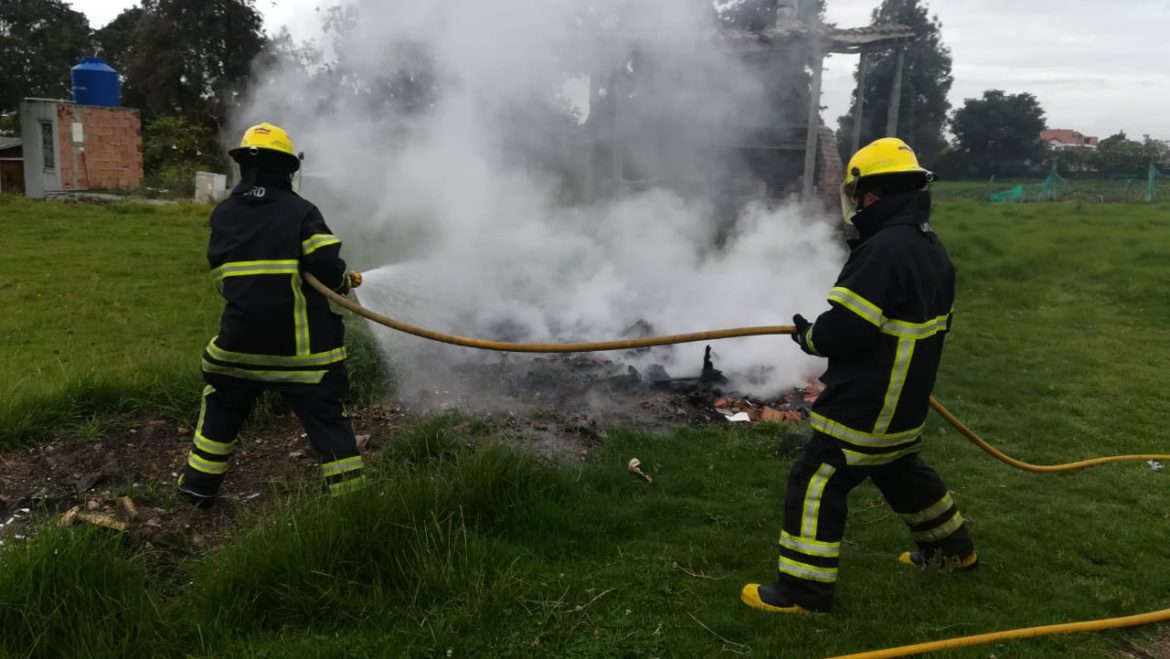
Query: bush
{"type": "Point", "coordinates": [173, 149]}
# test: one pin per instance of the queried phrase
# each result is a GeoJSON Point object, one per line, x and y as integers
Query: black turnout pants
{"type": "Point", "coordinates": [227, 402]}
{"type": "Point", "coordinates": [815, 508]}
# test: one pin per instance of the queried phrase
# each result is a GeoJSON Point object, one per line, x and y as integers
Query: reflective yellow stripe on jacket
{"type": "Point", "coordinates": [316, 242]}
{"type": "Point", "coordinates": [908, 334]}
{"type": "Point", "coordinates": [861, 438]}
{"type": "Point", "coordinates": [903, 329]}
{"type": "Point", "coordinates": [251, 268]}
{"type": "Point", "coordinates": [300, 317]}
{"type": "Point", "coordinates": [303, 356]}
{"type": "Point", "coordinates": [293, 361]}
{"type": "Point", "coordinates": [875, 315]}
{"type": "Point", "coordinates": [297, 377]}
{"type": "Point", "coordinates": [903, 355]}
{"type": "Point", "coordinates": [868, 311]}
{"type": "Point", "coordinates": [859, 459]}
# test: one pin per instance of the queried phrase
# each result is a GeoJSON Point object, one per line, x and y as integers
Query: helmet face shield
{"type": "Point", "coordinates": [296, 177]}
{"type": "Point", "coordinates": [849, 200]}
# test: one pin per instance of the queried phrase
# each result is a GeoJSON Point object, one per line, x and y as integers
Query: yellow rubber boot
{"type": "Point", "coordinates": [751, 596]}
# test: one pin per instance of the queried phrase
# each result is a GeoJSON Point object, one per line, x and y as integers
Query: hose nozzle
{"type": "Point", "coordinates": [353, 279]}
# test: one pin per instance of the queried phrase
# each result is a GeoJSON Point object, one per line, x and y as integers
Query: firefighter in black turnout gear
{"type": "Point", "coordinates": [890, 311]}
{"type": "Point", "coordinates": [276, 332]}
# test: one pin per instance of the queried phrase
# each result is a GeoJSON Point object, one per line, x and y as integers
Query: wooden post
{"type": "Point", "coordinates": [859, 108]}
{"type": "Point", "coordinates": [814, 115]}
{"type": "Point", "coordinates": [896, 94]}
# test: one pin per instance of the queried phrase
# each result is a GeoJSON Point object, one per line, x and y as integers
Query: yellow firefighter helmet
{"type": "Point", "coordinates": [266, 137]}
{"type": "Point", "coordinates": [885, 157]}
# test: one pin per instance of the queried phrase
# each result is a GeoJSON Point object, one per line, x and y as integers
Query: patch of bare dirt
{"type": "Point", "coordinates": [559, 408]}
{"type": "Point", "coordinates": [127, 476]}
{"type": "Point", "coordinates": [1157, 647]}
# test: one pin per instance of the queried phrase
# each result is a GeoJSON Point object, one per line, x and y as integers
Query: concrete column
{"type": "Point", "coordinates": [814, 119]}
{"type": "Point", "coordinates": [859, 106]}
{"type": "Point", "coordinates": [896, 94]}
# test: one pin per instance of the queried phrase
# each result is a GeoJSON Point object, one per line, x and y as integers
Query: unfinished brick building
{"type": "Point", "coordinates": [76, 148]}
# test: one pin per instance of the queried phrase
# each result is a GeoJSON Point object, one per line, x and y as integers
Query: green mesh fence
{"type": "Point", "coordinates": [1152, 182]}
{"type": "Point", "coordinates": [1050, 189]}
{"type": "Point", "coordinates": [1145, 186]}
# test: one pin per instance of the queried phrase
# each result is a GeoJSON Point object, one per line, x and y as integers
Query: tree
{"type": "Point", "coordinates": [40, 41]}
{"type": "Point", "coordinates": [192, 58]}
{"type": "Point", "coordinates": [999, 134]}
{"type": "Point", "coordinates": [1156, 151]}
{"type": "Point", "coordinates": [926, 83]}
{"type": "Point", "coordinates": [1118, 155]}
{"type": "Point", "coordinates": [116, 40]}
{"type": "Point", "coordinates": [406, 84]}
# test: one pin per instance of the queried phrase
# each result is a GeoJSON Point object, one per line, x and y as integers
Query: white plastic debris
{"type": "Point", "coordinates": [1155, 465]}
{"type": "Point", "coordinates": [635, 467]}
{"type": "Point", "coordinates": [742, 417]}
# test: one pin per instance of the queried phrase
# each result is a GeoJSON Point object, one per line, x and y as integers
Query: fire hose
{"type": "Point", "coordinates": [649, 342]}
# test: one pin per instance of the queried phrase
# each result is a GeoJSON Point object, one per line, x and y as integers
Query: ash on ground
{"type": "Point", "coordinates": [560, 406]}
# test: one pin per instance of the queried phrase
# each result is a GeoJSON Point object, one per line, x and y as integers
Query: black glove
{"type": "Point", "coordinates": [801, 335]}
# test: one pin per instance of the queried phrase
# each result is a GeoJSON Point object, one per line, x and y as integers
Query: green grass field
{"type": "Point", "coordinates": [1060, 352]}
{"type": "Point", "coordinates": [106, 310]}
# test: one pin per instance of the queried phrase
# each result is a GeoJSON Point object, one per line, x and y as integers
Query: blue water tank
{"type": "Point", "coordinates": [95, 83]}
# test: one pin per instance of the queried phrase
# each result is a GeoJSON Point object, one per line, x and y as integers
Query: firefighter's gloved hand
{"type": "Point", "coordinates": [800, 338]}
{"type": "Point", "coordinates": [350, 281]}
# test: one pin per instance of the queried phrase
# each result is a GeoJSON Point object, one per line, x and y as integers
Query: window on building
{"type": "Point", "coordinates": [48, 145]}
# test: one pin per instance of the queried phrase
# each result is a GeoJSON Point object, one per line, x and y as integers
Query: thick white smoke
{"type": "Point", "coordinates": [451, 206]}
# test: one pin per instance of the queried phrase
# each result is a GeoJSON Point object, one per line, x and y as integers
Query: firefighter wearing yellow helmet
{"type": "Point", "coordinates": [890, 311]}
{"type": "Point", "coordinates": [271, 144]}
{"type": "Point", "coordinates": [276, 333]}
{"type": "Point", "coordinates": [888, 163]}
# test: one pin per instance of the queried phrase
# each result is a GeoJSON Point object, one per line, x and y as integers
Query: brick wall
{"type": "Point", "coordinates": [110, 158]}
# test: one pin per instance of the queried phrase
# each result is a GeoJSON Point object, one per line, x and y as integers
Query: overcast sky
{"type": "Point", "coordinates": [1097, 66]}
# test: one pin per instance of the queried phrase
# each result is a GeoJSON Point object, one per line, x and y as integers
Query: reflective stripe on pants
{"type": "Point", "coordinates": [227, 403]}
{"type": "Point", "coordinates": [815, 509]}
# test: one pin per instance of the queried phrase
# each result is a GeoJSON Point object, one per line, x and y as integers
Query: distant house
{"type": "Point", "coordinates": [11, 164]}
{"type": "Point", "coordinates": [1060, 138]}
